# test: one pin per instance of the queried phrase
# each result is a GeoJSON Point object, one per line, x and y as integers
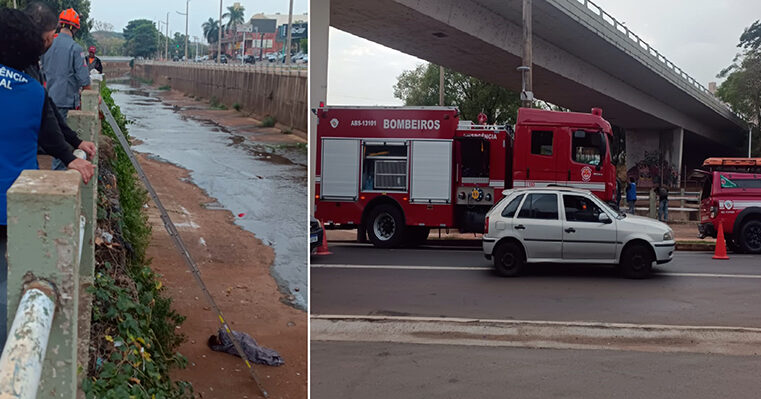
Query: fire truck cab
{"type": "Point", "coordinates": [396, 172]}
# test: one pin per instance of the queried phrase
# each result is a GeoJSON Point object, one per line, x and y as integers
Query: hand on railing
{"type": "Point", "coordinates": [88, 147]}
{"type": "Point", "coordinates": [85, 168]}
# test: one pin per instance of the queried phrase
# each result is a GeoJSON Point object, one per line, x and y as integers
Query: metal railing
{"type": "Point", "coordinates": [260, 66]}
{"type": "Point", "coordinates": [51, 262]}
{"type": "Point", "coordinates": [646, 53]}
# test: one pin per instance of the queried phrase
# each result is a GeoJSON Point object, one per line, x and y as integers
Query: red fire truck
{"type": "Point", "coordinates": [394, 173]}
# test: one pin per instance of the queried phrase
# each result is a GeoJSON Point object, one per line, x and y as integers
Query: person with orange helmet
{"type": "Point", "coordinates": [65, 68]}
{"type": "Point", "coordinates": [93, 62]}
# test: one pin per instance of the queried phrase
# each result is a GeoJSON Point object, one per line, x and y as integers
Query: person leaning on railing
{"type": "Point", "coordinates": [22, 110]}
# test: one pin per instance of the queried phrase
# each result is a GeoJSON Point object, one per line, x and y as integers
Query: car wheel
{"type": "Point", "coordinates": [509, 259]}
{"type": "Point", "coordinates": [385, 226]}
{"type": "Point", "coordinates": [637, 261]}
{"type": "Point", "coordinates": [750, 236]}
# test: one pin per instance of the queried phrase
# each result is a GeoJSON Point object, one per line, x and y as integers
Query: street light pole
{"type": "Point", "coordinates": [288, 39]}
{"type": "Point", "coordinates": [187, 3]}
{"type": "Point", "coordinates": [219, 39]}
{"type": "Point", "coordinates": [166, 45]}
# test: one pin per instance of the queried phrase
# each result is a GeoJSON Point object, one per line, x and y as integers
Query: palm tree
{"type": "Point", "coordinates": [211, 30]}
{"type": "Point", "coordinates": [234, 17]}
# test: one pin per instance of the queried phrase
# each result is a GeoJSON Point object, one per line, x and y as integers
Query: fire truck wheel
{"type": "Point", "coordinates": [637, 261]}
{"type": "Point", "coordinates": [509, 259]}
{"type": "Point", "coordinates": [750, 236]}
{"type": "Point", "coordinates": [385, 226]}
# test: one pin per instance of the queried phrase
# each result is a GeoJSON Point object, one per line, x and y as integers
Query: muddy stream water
{"type": "Point", "coordinates": [264, 186]}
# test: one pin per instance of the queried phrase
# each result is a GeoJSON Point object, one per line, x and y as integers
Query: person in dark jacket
{"type": "Point", "coordinates": [22, 106]}
{"type": "Point", "coordinates": [663, 202]}
{"type": "Point", "coordinates": [93, 62]}
{"type": "Point", "coordinates": [47, 22]}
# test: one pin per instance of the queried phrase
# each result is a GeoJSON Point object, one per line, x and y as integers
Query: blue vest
{"type": "Point", "coordinates": [21, 102]}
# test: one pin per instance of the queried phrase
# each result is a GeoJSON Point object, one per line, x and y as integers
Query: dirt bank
{"type": "Point", "coordinates": [234, 121]}
{"type": "Point", "coordinates": [236, 268]}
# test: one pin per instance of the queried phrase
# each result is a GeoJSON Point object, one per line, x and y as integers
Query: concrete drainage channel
{"type": "Point", "coordinates": [737, 341]}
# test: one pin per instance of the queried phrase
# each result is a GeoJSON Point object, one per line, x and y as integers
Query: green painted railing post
{"type": "Point", "coordinates": [44, 243]}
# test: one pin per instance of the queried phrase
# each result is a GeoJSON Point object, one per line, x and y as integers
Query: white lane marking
{"type": "Point", "coordinates": [481, 268]}
{"type": "Point", "coordinates": [397, 267]}
{"type": "Point", "coordinates": [739, 341]}
{"type": "Point", "coordinates": [575, 323]}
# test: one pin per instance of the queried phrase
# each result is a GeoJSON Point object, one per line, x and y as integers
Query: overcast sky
{"type": "Point", "coordinates": [120, 12]}
{"type": "Point", "coordinates": [699, 36]}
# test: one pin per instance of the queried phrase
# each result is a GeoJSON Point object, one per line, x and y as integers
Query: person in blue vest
{"type": "Point", "coordinates": [631, 194]}
{"type": "Point", "coordinates": [22, 105]}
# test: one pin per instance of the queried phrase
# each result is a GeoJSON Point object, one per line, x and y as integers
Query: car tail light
{"type": "Point", "coordinates": [486, 226]}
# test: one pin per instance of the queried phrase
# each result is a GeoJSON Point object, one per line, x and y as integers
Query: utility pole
{"type": "Point", "coordinates": [166, 44]}
{"type": "Point", "coordinates": [527, 95]}
{"type": "Point", "coordinates": [187, 4]}
{"type": "Point", "coordinates": [219, 40]}
{"type": "Point", "coordinates": [195, 38]}
{"type": "Point", "coordinates": [158, 39]}
{"type": "Point", "coordinates": [288, 35]}
{"type": "Point", "coordinates": [441, 85]}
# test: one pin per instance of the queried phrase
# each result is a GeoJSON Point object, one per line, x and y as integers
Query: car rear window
{"type": "Point", "coordinates": [510, 209]}
{"type": "Point", "coordinates": [540, 206]}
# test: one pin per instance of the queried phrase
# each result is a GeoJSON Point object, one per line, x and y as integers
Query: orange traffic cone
{"type": "Point", "coordinates": [721, 245]}
{"type": "Point", "coordinates": [323, 248]}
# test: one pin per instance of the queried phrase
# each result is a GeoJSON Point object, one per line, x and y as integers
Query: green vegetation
{"type": "Point", "coordinates": [268, 121]}
{"type": "Point", "coordinates": [165, 87]}
{"type": "Point", "coordinates": [211, 30]}
{"type": "Point", "coordinates": [140, 37]}
{"type": "Point", "coordinates": [742, 87]}
{"type": "Point", "coordinates": [420, 86]}
{"type": "Point", "coordinates": [237, 107]}
{"type": "Point", "coordinates": [215, 104]}
{"type": "Point", "coordinates": [133, 323]}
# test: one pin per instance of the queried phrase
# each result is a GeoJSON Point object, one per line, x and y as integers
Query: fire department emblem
{"type": "Point", "coordinates": [334, 123]}
{"type": "Point", "coordinates": [728, 204]}
{"type": "Point", "coordinates": [586, 173]}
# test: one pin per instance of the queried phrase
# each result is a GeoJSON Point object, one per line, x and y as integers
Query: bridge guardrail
{"type": "Point", "coordinates": [51, 262]}
{"type": "Point", "coordinates": [684, 81]}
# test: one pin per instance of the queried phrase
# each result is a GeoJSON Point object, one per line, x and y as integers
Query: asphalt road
{"type": "Point", "coordinates": [453, 281]}
{"type": "Point", "coordinates": [383, 327]}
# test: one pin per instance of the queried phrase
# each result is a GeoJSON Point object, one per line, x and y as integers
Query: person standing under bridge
{"type": "Point", "coordinates": [22, 106]}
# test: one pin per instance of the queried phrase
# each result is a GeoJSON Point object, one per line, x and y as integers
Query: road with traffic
{"type": "Point", "coordinates": [436, 321]}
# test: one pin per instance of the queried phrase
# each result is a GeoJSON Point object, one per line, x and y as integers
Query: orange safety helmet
{"type": "Point", "coordinates": [69, 17]}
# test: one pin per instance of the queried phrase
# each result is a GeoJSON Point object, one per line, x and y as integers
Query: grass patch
{"type": "Point", "coordinates": [287, 131]}
{"type": "Point", "coordinates": [133, 324]}
{"type": "Point", "coordinates": [165, 87]}
{"type": "Point", "coordinates": [144, 80]}
{"type": "Point", "coordinates": [237, 107]}
{"type": "Point", "coordinates": [268, 121]}
{"type": "Point", "coordinates": [215, 104]}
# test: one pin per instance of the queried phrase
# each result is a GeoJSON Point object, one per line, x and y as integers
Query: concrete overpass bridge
{"type": "Point", "coordinates": [583, 58]}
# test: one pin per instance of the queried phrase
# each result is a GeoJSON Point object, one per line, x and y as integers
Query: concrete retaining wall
{"type": "Point", "coordinates": [260, 92]}
{"type": "Point", "coordinates": [115, 69]}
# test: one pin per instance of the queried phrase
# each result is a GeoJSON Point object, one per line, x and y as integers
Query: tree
{"type": "Point", "coordinates": [140, 38]}
{"type": "Point", "coordinates": [234, 17]}
{"type": "Point", "coordinates": [472, 96]}
{"type": "Point", "coordinates": [304, 46]}
{"type": "Point", "coordinates": [742, 87]}
{"type": "Point", "coordinates": [101, 26]}
{"type": "Point", "coordinates": [82, 7]}
{"type": "Point", "coordinates": [211, 30]}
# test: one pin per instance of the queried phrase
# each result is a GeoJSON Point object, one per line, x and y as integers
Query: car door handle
{"type": "Point", "coordinates": [570, 230]}
{"type": "Point", "coordinates": [520, 227]}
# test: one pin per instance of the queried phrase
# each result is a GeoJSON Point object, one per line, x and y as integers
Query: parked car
{"type": "Point", "coordinates": [249, 59]}
{"type": "Point", "coordinates": [567, 225]}
{"type": "Point", "coordinates": [315, 234]}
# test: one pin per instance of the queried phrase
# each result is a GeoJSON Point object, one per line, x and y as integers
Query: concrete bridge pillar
{"type": "Point", "coordinates": [319, 31]}
{"type": "Point", "coordinates": [652, 155]}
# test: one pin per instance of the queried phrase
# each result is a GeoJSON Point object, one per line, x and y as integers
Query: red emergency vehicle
{"type": "Point", "coordinates": [396, 172]}
{"type": "Point", "coordinates": [732, 196]}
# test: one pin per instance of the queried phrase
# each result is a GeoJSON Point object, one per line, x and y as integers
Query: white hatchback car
{"type": "Point", "coordinates": [558, 224]}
